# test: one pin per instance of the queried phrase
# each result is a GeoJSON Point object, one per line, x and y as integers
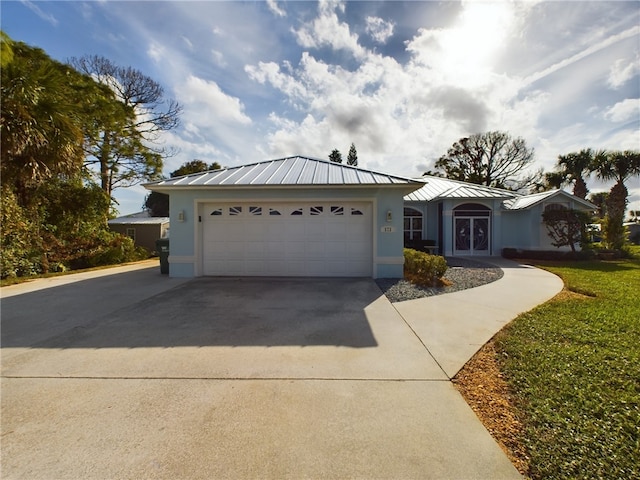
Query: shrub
{"type": "Point", "coordinates": [422, 268]}
{"type": "Point", "coordinates": [552, 255]}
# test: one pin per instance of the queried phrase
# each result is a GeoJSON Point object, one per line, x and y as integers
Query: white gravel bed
{"type": "Point", "coordinates": [462, 273]}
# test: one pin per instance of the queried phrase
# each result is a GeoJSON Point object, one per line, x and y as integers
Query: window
{"type": "Point", "coordinates": [316, 210]}
{"type": "Point", "coordinates": [255, 210]}
{"type": "Point", "coordinates": [131, 233]}
{"type": "Point", "coordinates": [235, 211]}
{"type": "Point", "coordinates": [355, 211]}
{"type": "Point", "coordinates": [217, 211]}
{"type": "Point", "coordinates": [471, 210]}
{"type": "Point", "coordinates": [337, 210]}
{"type": "Point", "coordinates": [412, 224]}
{"type": "Point", "coordinates": [273, 211]}
{"type": "Point", "coordinates": [297, 211]}
{"type": "Point", "coordinates": [556, 206]}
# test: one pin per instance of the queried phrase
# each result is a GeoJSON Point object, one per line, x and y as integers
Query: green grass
{"type": "Point", "coordinates": [574, 366]}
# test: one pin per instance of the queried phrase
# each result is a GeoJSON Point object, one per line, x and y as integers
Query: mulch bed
{"type": "Point", "coordinates": [481, 384]}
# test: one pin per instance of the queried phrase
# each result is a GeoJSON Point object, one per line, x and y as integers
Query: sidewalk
{"type": "Point", "coordinates": [454, 326]}
{"type": "Point", "coordinates": [57, 281]}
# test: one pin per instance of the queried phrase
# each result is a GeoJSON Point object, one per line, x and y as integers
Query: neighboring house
{"type": "Point", "coordinates": [299, 216]}
{"type": "Point", "coordinates": [467, 219]}
{"type": "Point", "coordinates": [142, 228]}
{"type": "Point", "coordinates": [634, 232]}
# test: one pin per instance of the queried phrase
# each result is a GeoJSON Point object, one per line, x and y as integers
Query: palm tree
{"type": "Point", "coordinates": [575, 168]}
{"type": "Point", "coordinates": [618, 166]}
{"type": "Point", "coordinates": [41, 124]}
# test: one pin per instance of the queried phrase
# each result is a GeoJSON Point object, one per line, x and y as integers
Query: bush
{"type": "Point", "coordinates": [422, 268]}
{"type": "Point", "coordinates": [553, 255]}
{"type": "Point", "coordinates": [106, 248]}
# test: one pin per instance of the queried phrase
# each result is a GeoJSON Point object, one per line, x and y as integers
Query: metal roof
{"type": "Point", "coordinates": [527, 201]}
{"type": "Point", "coordinates": [437, 188]}
{"type": "Point", "coordinates": [290, 171]}
{"type": "Point", "coordinates": [140, 218]}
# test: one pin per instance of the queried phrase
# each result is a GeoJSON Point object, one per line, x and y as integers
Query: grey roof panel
{"type": "Point", "coordinates": [290, 171]}
{"type": "Point", "coordinates": [437, 188]}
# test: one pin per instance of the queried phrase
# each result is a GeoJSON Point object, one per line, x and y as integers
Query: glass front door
{"type": "Point", "coordinates": [471, 236]}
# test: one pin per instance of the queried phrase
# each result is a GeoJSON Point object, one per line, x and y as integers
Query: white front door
{"type": "Point", "coordinates": [471, 236]}
{"type": "Point", "coordinates": [288, 239]}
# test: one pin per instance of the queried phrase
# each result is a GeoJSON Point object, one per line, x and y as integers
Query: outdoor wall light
{"type": "Point", "coordinates": [389, 216]}
{"type": "Point", "coordinates": [181, 216]}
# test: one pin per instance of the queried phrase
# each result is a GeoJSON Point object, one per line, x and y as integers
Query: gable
{"type": "Point", "coordinates": [525, 202]}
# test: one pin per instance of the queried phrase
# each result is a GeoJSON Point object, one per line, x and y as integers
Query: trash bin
{"type": "Point", "coordinates": [162, 247]}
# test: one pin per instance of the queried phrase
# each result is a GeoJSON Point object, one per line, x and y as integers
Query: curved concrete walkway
{"type": "Point", "coordinates": [454, 326]}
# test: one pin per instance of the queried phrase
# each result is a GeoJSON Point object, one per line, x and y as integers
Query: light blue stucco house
{"type": "Point", "coordinates": [299, 216]}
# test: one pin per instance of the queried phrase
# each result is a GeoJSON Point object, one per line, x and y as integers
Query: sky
{"type": "Point", "coordinates": [401, 80]}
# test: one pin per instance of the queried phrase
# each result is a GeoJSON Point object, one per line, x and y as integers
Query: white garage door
{"type": "Point", "coordinates": [288, 239]}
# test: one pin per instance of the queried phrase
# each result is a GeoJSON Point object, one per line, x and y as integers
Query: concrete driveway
{"type": "Point", "coordinates": [135, 375]}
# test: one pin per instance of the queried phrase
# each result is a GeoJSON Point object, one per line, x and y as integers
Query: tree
{"type": "Point", "coordinates": [158, 203]}
{"type": "Point", "coordinates": [493, 159]}
{"type": "Point", "coordinates": [335, 156]}
{"type": "Point", "coordinates": [352, 157]}
{"type": "Point", "coordinates": [125, 151]}
{"type": "Point", "coordinates": [194, 166]}
{"type": "Point", "coordinates": [6, 49]}
{"type": "Point", "coordinates": [45, 114]}
{"type": "Point", "coordinates": [600, 200]}
{"type": "Point", "coordinates": [51, 216]}
{"type": "Point", "coordinates": [566, 227]}
{"type": "Point", "coordinates": [618, 166]}
{"type": "Point", "coordinates": [573, 168]}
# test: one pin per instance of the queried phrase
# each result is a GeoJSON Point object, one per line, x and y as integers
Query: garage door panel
{"type": "Point", "coordinates": [295, 239]}
{"type": "Point", "coordinates": [336, 249]}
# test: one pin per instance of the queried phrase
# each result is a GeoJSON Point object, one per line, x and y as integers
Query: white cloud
{"type": "Point", "coordinates": [607, 42]}
{"type": "Point", "coordinates": [187, 42]}
{"type": "Point", "coordinates": [401, 117]}
{"type": "Point", "coordinates": [379, 29]}
{"type": "Point", "coordinates": [622, 71]}
{"type": "Point", "coordinates": [47, 17]}
{"type": "Point", "coordinates": [205, 103]}
{"type": "Point", "coordinates": [156, 51]}
{"type": "Point", "coordinates": [273, 6]}
{"type": "Point", "coordinates": [327, 30]}
{"type": "Point", "coordinates": [464, 54]}
{"type": "Point", "coordinates": [218, 58]}
{"type": "Point", "coordinates": [628, 109]}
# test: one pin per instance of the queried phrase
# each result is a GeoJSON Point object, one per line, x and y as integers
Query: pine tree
{"type": "Point", "coordinates": [352, 158]}
{"type": "Point", "coordinates": [335, 156]}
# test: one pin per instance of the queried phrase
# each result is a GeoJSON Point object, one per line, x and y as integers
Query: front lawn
{"type": "Point", "coordinates": [573, 365]}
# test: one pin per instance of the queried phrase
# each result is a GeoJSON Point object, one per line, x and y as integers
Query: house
{"type": "Point", "coordinates": [299, 216]}
{"type": "Point", "coordinates": [293, 216]}
{"type": "Point", "coordinates": [142, 228]}
{"type": "Point", "coordinates": [464, 219]}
